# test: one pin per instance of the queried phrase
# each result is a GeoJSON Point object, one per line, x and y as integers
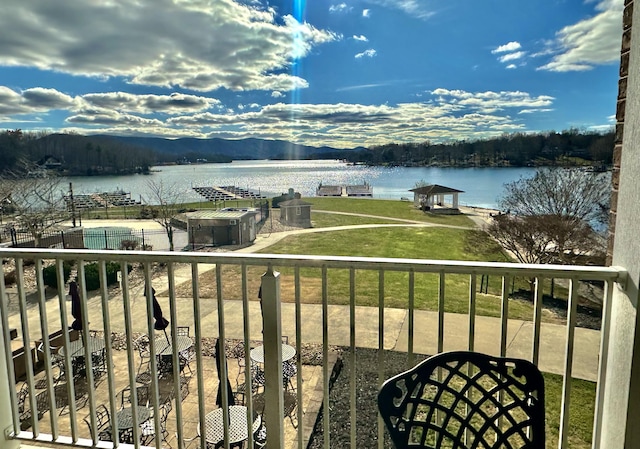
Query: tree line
{"type": "Point", "coordinates": [567, 148]}
{"type": "Point", "coordinates": [71, 154]}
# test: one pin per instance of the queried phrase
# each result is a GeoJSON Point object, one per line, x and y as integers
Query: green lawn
{"type": "Point", "coordinates": [322, 220]}
{"type": "Point", "coordinates": [582, 402]}
{"type": "Point", "coordinates": [385, 208]}
{"type": "Point", "coordinates": [424, 243]}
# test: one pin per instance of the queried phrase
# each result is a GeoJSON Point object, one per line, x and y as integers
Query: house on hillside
{"type": "Point", "coordinates": [433, 198]}
{"type": "Point", "coordinates": [295, 212]}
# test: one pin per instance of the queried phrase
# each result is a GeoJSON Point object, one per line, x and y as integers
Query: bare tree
{"type": "Point", "coordinates": [166, 200]}
{"type": "Point", "coordinates": [552, 216]}
{"type": "Point", "coordinates": [37, 200]}
{"type": "Point", "coordinates": [560, 192]}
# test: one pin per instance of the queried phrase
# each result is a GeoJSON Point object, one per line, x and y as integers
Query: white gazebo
{"type": "Point", "coordinates": [432, 198]}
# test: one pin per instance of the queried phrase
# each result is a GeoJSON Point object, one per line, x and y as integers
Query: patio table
{"type": "Point", "coordinates": [214, 425]}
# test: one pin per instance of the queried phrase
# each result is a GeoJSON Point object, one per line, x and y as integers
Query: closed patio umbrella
{"type": "Point", "coordinates": [219, 349]}
{"type": "Point", "coordinates": [161, 323]}
{"type": "Point", "coordinates": [76, 305]}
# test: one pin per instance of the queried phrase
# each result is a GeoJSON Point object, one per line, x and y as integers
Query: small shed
{"type": "Point", "coordinates": [433, 198]}
{"type": "Point", "coordinates": [295, 212]}
{"type": "Point", "coordinates": [229, 226]}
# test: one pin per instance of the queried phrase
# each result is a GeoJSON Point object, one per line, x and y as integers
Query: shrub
{"type": "Point", "coordinates": [51, 278]}
{"type": "Point", "coordinates": [129, 244]}
{"type": "Point", "coordinates": [10, 277]}
{"type": "Point", "coordinates": [92, 274]}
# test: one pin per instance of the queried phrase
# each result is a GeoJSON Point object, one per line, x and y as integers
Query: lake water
{"type": "Point", "coordinates": [482, 186]}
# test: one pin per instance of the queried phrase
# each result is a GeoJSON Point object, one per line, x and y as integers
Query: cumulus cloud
{"type": "Point", "coordinates": [277, 94]}
{"type": "Point", "coordinates": [509, 47]}
{"type": "Point", "coordinates": [360, 38]}
{"type": "Point", "coordinates": [199, 45]}
{"type": "Point", "coordinates": [175, 103]}
{"type": "Point", "coordinates": [590, 42]}
{"type": "Point", "coordinates": [414, 8]}
{"type": "Point", "coordinates": [366, 13]}
{"type": "Point", "coordinates": [512, 56]}
{"type": "Point", "coordinates": [443, 114]}
{"type": "Point", "coordinates": [511, 66]}
{"type": "Point", "coordinates": [31, 101]}
{"type": "Point", "coordinates": [370, 53]}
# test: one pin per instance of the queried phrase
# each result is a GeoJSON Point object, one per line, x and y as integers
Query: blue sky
{"type": "Point", "coordinates": [317, 72]}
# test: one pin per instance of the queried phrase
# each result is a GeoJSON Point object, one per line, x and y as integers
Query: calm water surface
{"type": "Point", "coordinates": [482, 186]}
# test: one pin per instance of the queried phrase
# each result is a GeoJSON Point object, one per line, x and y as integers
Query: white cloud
{"type": "Point", "coordinates": [590, 42]}
{"type": "Point", "coordinates": [31, 101]}
{"type": "Point", "coordinates": [361, 38]}
{"type": "Point", "coordinates": [339, 8]}
{"type": "Point", "coordinates": [509, 47]}
{"type": "Point", "coordinates": [366, 13]}
{"type": "Point", "coordinates": [415, 8]}
{"type": "Point", "coordinates": [245, 47]}
{"type": "Point", "coordinates": [512, 56]}
{"type": "Point", "coordinates": [447, 114]}
{"type": "Point", "coordinates": [531, 111]}
{"type": "Point", "coordinates": [277, 94]}
{"type": "Point", "coordinates": [370, 53]}
{"type": "Point", "coordinates": [511, 66]}
{"type": "Point", "coordinates": [175, 103]}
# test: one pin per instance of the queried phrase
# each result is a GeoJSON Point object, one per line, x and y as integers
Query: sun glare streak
{"type": "Point", "coordinates": [299, 9]}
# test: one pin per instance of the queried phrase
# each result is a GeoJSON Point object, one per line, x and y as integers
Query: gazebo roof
{"type": "Point", "coordinates": [434, 189]}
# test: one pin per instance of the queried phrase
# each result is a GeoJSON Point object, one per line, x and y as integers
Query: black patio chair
{"type": "Point", "coordinates": [463, 400]}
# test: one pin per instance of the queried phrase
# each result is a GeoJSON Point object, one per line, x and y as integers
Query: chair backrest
{"type": "Point", "coordinates": [102, 416]}
{"type": "Point", "coordinates": [182, 331]}
{"type": "Point", "coordinates": [465, 399]}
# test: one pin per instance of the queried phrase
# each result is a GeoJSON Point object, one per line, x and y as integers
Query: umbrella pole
{"type": "Point", "coordinates": [166, 336]}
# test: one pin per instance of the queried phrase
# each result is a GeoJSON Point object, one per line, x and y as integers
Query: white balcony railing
{"type": "Point", "coordinates": [128, 312]}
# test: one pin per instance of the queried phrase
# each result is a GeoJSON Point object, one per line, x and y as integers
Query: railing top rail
{"type": "Point", "coordinates": [616, 274]}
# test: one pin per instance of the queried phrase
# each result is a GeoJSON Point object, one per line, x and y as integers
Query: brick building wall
{"type": "Point", "coordinates": [620, 113]}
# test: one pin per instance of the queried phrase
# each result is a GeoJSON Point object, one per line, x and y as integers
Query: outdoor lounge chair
{"type": "Point", "coordinates": [465, 399]}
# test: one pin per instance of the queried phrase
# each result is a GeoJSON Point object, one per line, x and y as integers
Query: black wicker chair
{"type": "Point", "coordinates": [464, 400]}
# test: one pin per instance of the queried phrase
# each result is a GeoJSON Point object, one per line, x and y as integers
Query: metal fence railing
{"type": "Point", "coordinates": [208, 315]}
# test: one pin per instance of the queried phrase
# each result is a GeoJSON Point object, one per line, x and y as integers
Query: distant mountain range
{"type": "Point", "coordinates": [234, 149]}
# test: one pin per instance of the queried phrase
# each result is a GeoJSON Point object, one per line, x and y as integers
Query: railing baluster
{"type": "Point", "coordinates": [300, 412]}
{"type": "Point", "coordinates": [441, 293]}
{"type": "Point", "coordinates": [88, 365]}
{"type": "Point", "coordinates": [126, 301]}
{"type": "Point", "coordinates": [472, 311]}
{"type": "Point", "coordinates": [272, 338]}
{"type": "Point", "coordinates": [33, 406]}
{"type": "Point", "coordinates": [572, 306]}
{"type": "Point", "coordinates": [504, 315]}
{"type": "Point", "coordinates": [222, 358]}
{"type": "Point", "coordinates": [246, 321]}
{"type": "Point", "coordinates": [352, 356]}
{"type": "Point", "coordinates": [177, 378]}
{"type": "Point", "coordinates": [6, 338]}
{"type": "Point", "coordinates": [605, 328]}
{"type": "Point", "coordinates": [537, 320]}
{"type": "Point", "coordinates": [325, 359]}
{"type": "Point", "coordinates": [381, 376]}
{"type": "Point", "coordinates": [46, 350]}
{"type": "Point", "coordinates": [411, 357]}
{"type": "Point", "coordinates": [68, 368]}
{"type": "Point", "coordinates": [195, 288]}
{"type": "Point", "coordinates": [106, 322]}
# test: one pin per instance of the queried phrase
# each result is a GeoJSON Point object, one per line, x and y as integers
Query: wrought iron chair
{"type": "Point", "coordinates": [102, 421]}
{"type": "Point", "coordinates": [182, 331]}
{"type": "Point", "coordinates": [465, 399]}
{"type": "Point", "coordinates": [148, 427]}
